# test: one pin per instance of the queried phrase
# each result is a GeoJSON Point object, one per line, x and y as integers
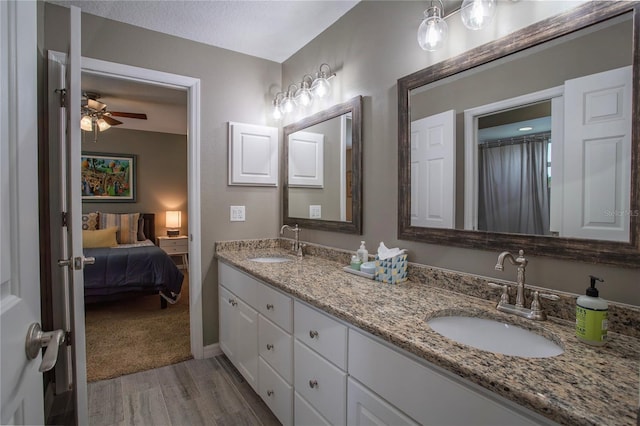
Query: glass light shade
{"type": "Point", "coordinates": [321, 86]}
{"type": "Point", "coordinates": [433, 30]}
{"type": "Point", "coordinates": [303, 96]}
{"type": "Point", "coordinates": [277, 114]}
{"type": "Point", "coordinates": [86, 123]}
{"type": "Point", "coordinates": [173, 219]}
{"type": "Point", "coordinates": [477, 14]}
{"type": "Point", "coordinates": [288, 104]}
{"type": "Point", "coordinates": [102, 124]}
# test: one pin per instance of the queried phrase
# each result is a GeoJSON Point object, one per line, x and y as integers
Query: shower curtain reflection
{"type": "Point", "coordinates": [513, 193]}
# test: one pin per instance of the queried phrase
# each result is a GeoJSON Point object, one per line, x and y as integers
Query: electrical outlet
{"type": "Point", "coordinates": [315, 212]}
{"type": "Point", "coordinates": [237, 214]}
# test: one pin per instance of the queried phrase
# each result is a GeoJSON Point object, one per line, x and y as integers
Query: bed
{"type": "Point", "coordinates": [132, 269]}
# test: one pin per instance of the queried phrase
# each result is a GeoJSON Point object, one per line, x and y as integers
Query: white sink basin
{"type": "Point", "coordinates": [495, 336]}
{"type": "Point", "coordinates": [271, 259]}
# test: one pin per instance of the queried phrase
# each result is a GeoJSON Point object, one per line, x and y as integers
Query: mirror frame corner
{"type": "Point", "coordinates": [354, 106]}
{"type": "Point", "coordinates": [583, 250]}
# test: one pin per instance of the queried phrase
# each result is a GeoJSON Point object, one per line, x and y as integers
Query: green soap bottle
{"type": "Point", "coordinates": [592, 316]}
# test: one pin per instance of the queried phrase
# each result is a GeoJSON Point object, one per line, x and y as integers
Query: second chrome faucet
{"type": "Point", "coordinates": [535, 312]}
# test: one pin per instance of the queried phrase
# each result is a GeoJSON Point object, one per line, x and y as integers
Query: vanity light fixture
{"type": "Point", "coordinates": [310, 88]}
{"type": "Point", "coordinates": [433, 29]}
{"type": "Point", "coordinates": [477, 14]}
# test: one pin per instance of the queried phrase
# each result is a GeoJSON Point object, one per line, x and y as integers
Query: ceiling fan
{"type": "Point", "coordinates": [96, 117]}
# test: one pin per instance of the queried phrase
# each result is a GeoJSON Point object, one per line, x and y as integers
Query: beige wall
{"type": "Point", "coordinates": [235, 87]}
{"type": "Point", "coordinates": [372, 46]}
{"type": "Point", "coordinates": [161, 172]}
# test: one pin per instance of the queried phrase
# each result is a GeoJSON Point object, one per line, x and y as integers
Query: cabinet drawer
{"type": "Point", "coordinates": [305, 414]}
{"type": "Point", "coordinates": [321, 383]}
{"type": "Point", "coordinates": [323, 334]}
{"type": "Point", "coordinates": [276, 393]}
{"type": "Point", "coordinates": [425, 394]}
{"type": "Point", "coordinates": [366, 408]}
{"type": "Point", "coordinates": [276, 347]}
{"type": "Point", "coordinates": [181, 242]}
{"type": "Point", "coordinates": [276, 306]}
{"type": "Point", "coordinates": [238, 283]}
{"type": "Point", "coordinates": [175, 249]}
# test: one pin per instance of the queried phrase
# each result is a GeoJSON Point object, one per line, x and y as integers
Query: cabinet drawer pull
{"type": "Point", "coordinates": [269, 346]}
{"type": "Point", "coordinates": [269, 392]}
{"type": "Point", "coordinates": [233, 302]}
{"type": "Point", "coordinates": [269, 307]}
{"type": "Point", "coordinates": [313, 383]}
{"type": "Point", "coordinates": [313, 334]}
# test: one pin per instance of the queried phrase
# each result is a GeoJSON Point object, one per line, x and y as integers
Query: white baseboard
{"type": "Point", "coordinates": [210, 351]}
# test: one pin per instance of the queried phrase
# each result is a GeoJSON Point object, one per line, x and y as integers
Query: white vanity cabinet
{"type": "Point", "coordinates": [388, 384]}
{"type": "Point", "coordinates": [255, 333]}
{"type": "Point", "coordinates": [320, 353]}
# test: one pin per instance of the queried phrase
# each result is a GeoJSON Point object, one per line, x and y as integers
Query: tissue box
{"type": "Point", "coordinates": [392, 270]}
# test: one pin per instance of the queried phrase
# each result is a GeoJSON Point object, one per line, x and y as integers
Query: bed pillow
{"type": "Point", "coordinates": [127, 224]}
{"type": "Point", "coordinates": [90, 221]}
{"type": "Point", "coordinates": [100, 238]}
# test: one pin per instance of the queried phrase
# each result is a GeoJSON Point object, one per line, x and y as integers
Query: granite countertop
{"type": "Point", "coordinates": [584, 385]}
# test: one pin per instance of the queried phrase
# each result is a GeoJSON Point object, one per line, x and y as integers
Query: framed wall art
{"type": "Point", "coordinates": [108, 177]}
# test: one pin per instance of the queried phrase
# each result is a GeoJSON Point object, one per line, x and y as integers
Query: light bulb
{"type": "Point", "coordinates": [277, 114]}
{"type": "Point", "coordinates": [477, 14]}
{"type": "Point", "coordinates": [86, 123]}
{"type": "Point", "coordinates": [432, 31]}
{"type": "Point", "coordinates": [288, 104]}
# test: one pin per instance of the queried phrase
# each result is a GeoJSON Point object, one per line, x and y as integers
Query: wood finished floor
{"type": "Point", "coordinates": [194, 392]}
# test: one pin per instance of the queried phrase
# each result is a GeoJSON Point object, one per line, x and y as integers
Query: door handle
{"type": "Point", "coordinates": [77, 263]}
{"type": "Point", "coordinates": [37, 339]}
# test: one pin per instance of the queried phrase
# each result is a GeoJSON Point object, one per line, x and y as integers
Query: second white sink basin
{"type": "Point", "coordinates": [271, 259]}
{"type": "Point", "coordinates": [495, 336]}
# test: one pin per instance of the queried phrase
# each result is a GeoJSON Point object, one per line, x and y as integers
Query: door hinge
{"type": "Point", "coordinates": [63, 97]}
{"type": "Point", "coordinates": [65, 219]}
{"type": "Point", "coordinates": [67, 338]}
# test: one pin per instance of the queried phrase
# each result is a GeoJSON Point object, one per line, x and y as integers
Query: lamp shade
{"type": "Point", "coordinates": [173, 219]}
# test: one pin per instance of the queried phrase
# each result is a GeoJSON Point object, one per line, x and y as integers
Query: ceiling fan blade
{"type": "Point", "coordinates": [128, 115]}
{"type": "Point", "coordinates": [111, 121]}
{"type": "Point", "coordinates": [95, 105]}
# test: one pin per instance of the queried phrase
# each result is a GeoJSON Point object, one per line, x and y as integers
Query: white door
{"type": "Point", "coordinates": [597, 150]}
{"type": "Point", "coordinates": [21, 393]}
{"type": "Point", "coordinates": [433, 171]}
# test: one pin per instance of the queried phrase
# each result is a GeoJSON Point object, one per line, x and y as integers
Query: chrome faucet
{"type": "Point", "coordinates": [295, 246]}
{"type": "Point", "coordinates": [504, 305]}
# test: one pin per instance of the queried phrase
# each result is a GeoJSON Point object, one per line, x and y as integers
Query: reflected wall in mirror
{"type": "Point", "coordinates": [322, 173]}
{"type": "Point", "coordinates": [530, 141]}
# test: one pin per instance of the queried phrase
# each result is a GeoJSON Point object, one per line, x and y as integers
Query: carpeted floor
{"type": "Point", "coordinates": [134, 335]}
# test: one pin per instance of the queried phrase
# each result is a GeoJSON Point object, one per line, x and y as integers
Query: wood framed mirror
{"type": "Point", "coordinates": [322, 170]}
{"type": "Point", "coordinates": [435, 87]}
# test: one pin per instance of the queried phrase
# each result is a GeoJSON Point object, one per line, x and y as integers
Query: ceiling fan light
{"type": "Point", "coordinates": [477, 14]}
{"type": "Point", "coordinates": [102, 124]}
{"type": "Point", "coordinates": [86, 123]}
{"type": "Point", "coordinates": [433, 30]}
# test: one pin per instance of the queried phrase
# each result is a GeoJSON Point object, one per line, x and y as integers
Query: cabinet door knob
{"type": "Point", "coordinates": [269, 307]}
{"type": "Point", "coordinates": [269, 346]}
{"type": "Point", "coordinates": [269, 392]}
{"type": "Point", "coordinates": [313, 383]}
{"type": "Point", "coordinates": [233, 302]}
{"type": "Point", "coordinates": [313, 334]}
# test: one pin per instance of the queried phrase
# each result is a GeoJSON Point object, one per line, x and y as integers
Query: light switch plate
{"type": "Point", "coordinates": [237, 214]}
{"type": "Point", "coordinates": [315, 212]}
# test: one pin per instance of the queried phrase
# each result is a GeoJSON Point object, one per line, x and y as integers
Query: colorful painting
{"type": "Point", "coordinates": [108, 177]}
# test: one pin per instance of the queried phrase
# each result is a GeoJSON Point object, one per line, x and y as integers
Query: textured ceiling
{"type": "Point", "coordinates": [268, 29]}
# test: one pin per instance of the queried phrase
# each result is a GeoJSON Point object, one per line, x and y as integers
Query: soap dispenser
{"type": "Point", "coordinates": [591, 316]}
{"type": "Point", "coordinates": [363, 253]}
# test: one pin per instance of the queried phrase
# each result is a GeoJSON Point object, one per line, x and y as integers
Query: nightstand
{"type": "Point", "coordinates": [176, 246]}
